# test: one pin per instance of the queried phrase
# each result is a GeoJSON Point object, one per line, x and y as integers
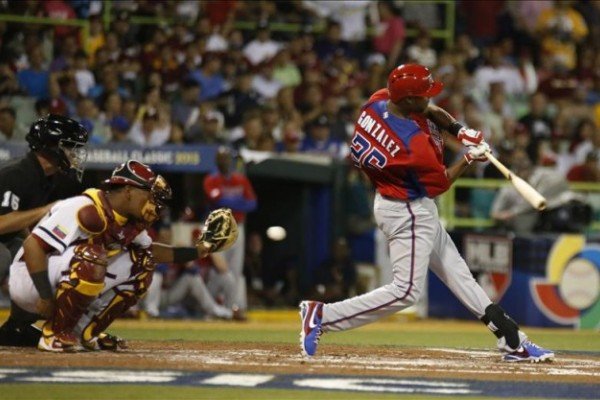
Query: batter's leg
{"type": "Point", "coordinates": [410, 228]}
{"type": "Point", "coordinates": [451, 268]}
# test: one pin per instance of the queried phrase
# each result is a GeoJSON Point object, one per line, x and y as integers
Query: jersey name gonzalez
{"type": "Point", "coordinates": [378, 132]}
{"type": "Point", "coordinates": [403, 157]}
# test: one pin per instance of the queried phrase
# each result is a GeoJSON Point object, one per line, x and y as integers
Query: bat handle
{"type": "Point", "coordinates": [503, 170]}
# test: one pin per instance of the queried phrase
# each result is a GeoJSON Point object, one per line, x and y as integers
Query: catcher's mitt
{"type": "Point", "coordinates": [220, 230]}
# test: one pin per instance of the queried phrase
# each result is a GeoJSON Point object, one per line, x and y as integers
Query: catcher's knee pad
{"type": "Point", "coordinates": [86, 281]}
{"type": "Point", "coordinates": [501, 325]}
{"type": "Point", "coordinates": [88, 268]}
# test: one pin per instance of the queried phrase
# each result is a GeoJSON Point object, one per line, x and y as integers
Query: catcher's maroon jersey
{"type": "Point", "coordinates": [402, 157]}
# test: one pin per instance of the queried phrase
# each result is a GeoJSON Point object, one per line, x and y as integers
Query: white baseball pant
{"type": "Point", "coordinates": [418, 241]}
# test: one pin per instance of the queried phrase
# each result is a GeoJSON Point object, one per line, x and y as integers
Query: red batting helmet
{"type": "Point", "coordinates": [409, 80]}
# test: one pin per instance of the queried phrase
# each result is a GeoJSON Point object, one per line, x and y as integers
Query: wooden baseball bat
{"type": "Point", "coordinates": [532, 196]}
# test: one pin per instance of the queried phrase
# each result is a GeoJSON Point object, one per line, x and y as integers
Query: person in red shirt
{"type": "Point", "coordinates": [227, 188]}
{"type": "Point", "coordinates": [397, 143]}
{"type": "Point", "coordinates": [586, 172]}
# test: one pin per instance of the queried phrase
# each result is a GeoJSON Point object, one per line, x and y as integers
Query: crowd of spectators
{"type": "Point", "coordinates": [525, 73]}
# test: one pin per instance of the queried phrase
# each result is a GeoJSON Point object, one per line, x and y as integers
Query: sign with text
{"type": "Point", "coordinates": [490, 261]}
{"type": "Point", "coordinates": [169, 158]}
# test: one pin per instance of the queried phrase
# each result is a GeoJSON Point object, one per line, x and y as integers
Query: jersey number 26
{"type": "Point", "coordinates": [364, 154]}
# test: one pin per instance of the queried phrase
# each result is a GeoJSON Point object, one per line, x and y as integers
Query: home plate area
{"type": "Point", "coordinates": [443, 372]}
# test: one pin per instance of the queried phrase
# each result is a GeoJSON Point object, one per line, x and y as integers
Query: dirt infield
{"type": "Point", "coordinates": [333, 359]}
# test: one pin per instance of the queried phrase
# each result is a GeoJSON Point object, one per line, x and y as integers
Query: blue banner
{"type": "Point", "coordinates": [167, 158]}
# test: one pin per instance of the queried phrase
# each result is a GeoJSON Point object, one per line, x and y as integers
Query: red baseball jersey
{"type": "Point", "coordinates": [403, 157]}
{"type": "Point", "coordinates": [234, 192]}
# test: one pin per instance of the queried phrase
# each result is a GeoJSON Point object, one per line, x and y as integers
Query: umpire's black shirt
{"type": "Point", "coordinates": [23, 186]}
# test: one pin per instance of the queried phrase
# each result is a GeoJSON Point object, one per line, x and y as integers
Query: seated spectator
{"type": "Point", "coordinates": [240, 99]}
{"type": "Point", "coordinates": [66, 58]}
{"type": "Point", "coordinates": [284, 70]}
{"type": "Point", "coordinates": [538, 124]}
{"type": "Point", "coordinates": [498, 72]}
{"type": "Point", "coordinates": [207, 130]}
{"type": "Point", "coordinates": [262, 48]}
{"type": "Point", "coordinates": [249, 134]}
{"type": "Point", "coordinates": [9, 84]}
{"type": "Point", "coordinates": [588, 171]}
{"type": "Point", "coordinates": [512, 211]}
{"type": "Point", "coordinates": [9, 129]}
{"type": "Point", "coordinates": [119, 128]}
{"type": "Point", "coordinates": [89, 116]}
{"type": "Point", "coordinates": [331, 109]}
{"type": "Point", "coordinates": [586, 140]}
{"type": "Point", "coordinates": [421, 51]}
{"type": "Point", "coordinates": [265, 84]}
{"type": "Point", "coordinates": [83, 76]}
{"type": "Point", "coordinates": [271, 121]}
{"type": "Point", "coordinates": [326, 47]}
{"type": "Point", "coordinates": [147, 133]}
{"type": "Point", "coordinates": [209, 77]}
{"type": "Point", "coordinates": [95, 39]}
{"type": "Point", "coordinates": [319, 140]}
{"type": "Point", "coordinates": [561, 27]}
{"type": "Point", "coordinates": [34, 80]}
{"type": "Point", "coordinates": [183, 109]}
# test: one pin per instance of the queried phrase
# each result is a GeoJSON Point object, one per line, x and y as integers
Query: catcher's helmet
{"type": "Point", "coordinates": [135, 173]}
{"type": "Point", "coordinates": [62, 139]}
{"type": "Point", "coordinates": [409, 80]}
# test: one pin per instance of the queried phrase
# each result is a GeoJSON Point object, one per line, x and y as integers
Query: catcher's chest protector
{"type": "Point", "coordinates": [116, 236]}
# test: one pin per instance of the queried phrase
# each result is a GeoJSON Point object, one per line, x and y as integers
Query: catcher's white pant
{"type": "Point", "coordinates": [25, 295]}
{"type": "Point", "coordinates": [235, 260]}
{"type": "Point", "coordinates": [417, 241]}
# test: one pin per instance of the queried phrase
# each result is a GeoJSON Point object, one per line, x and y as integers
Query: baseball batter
{"type": "Point", "coordinates": [398, 144]}
{"type": "Point", "coordinates": [90, 259]}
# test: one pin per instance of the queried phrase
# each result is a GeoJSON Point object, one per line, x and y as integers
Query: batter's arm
{"type": "Point", "coordinates": [441, 118]}
{"type": "Point", "coordinates": [456, 169]}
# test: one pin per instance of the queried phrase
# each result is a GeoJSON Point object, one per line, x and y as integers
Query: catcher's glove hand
{"type": "Point", "coordinates": [220, 230]}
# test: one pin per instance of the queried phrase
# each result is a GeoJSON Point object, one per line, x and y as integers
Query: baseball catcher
{"type": "Point", "coordinates": [91, 258]}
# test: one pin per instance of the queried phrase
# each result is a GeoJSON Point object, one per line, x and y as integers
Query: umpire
{"type": "Point", "coordinates": [27, 185]}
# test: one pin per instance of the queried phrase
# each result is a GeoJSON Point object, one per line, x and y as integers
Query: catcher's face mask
{"type": "Point", "coordinates": [160, 193]}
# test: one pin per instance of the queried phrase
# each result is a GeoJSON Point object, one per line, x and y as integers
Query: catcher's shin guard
{"type": "Point", "coordinates": [86, 281]}
{"type": "Point", "coordinates": [122, 300]}
{"type": "Point", "coordinates": [120, 303]}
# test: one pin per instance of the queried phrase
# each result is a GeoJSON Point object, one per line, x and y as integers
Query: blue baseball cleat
{"type": "Point", "coordinates": [529, 352]}
{"type": "Point", "coordinates": [311, 313]}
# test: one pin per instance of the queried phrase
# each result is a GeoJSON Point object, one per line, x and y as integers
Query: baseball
{"type": "Point", "coordinates": [276, 233]}
{"type": "Point", "coordinates": [580, 284]}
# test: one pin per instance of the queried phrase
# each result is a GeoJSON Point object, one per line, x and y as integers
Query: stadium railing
{"type": "Point", "coordinates": [446, 33]}
{"type": "Point", "coordinates": [448, 208]}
